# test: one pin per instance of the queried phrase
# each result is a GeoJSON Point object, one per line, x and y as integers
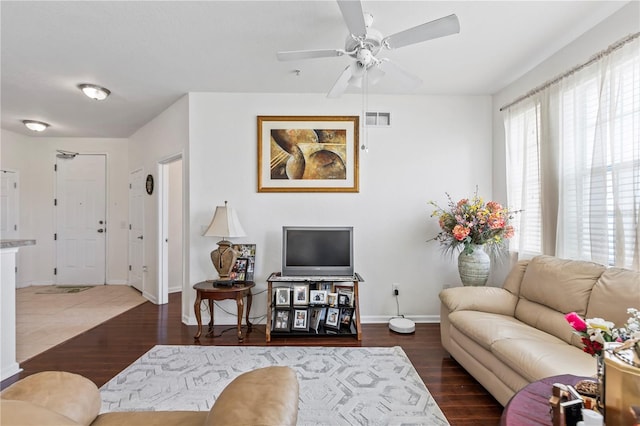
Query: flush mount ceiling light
{"type": "Point", "coordinates": [94, 92]}
{"type": "Point", "coordinates": [36, 126]}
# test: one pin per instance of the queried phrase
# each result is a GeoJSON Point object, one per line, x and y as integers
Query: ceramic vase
{"type": "Point", "coordinates": [474, 266]}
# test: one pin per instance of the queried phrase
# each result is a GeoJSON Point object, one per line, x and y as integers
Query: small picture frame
{"type": "Point", "coordinates": [318, 297]}
{"type": "Point", "coordinates": [281, 320]}
{"type": "Point", "coordinates": [316, 315]}
{"type": "Point", "coordinates": [346, 317]}
{"type": "Point", "coordinates": [332, 299]}
{"type": "Point", "coordinates": [345, 296]}
{"type": "Point", "coordinates": [283, 296]}
{"type": "Point", "coordinates": [333, 318]}
{"type": "Point", "coordinates": [239, 270]}
{"type": "Point", "coordinates": [300, 294]}
{"type": "Point", "coordinates": [300, 320]}
{"type": "Point", "coordinates": [328, 286]}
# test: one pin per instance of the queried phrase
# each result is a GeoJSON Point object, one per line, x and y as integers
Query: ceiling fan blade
{"type": "Point", "coordinates": [341, 84]}
{"type": "Point", "coordinates": [353, 16]}
{"type": "Point", "coordinates": [294, 55]}
{"type": "Point", "coordinates": [396, 72]}
{"type": "Point", "coordinates": [427, 31]}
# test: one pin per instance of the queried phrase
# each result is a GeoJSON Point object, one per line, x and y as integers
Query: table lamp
{"type": "Point", "coordinates": [224, 224]}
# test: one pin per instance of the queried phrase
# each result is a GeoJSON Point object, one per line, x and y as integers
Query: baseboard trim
{"type": "Point", "coordinates": [383, 319]}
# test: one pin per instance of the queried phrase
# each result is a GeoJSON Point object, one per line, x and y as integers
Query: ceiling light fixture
{"type": "Point", "coordinates": [36, 126]}
{"type": "Point", "coordinates": [94, 92]}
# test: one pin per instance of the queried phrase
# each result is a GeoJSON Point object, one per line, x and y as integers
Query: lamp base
{"type": "Point", "coordinates": [223, 259]}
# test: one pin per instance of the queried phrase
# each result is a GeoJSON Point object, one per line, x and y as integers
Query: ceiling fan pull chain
{"type": "Point", "coordinates": [365, 103]}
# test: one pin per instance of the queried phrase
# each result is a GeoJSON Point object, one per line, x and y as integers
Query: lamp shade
{"type": "Point", "coordinates": [224, 224]}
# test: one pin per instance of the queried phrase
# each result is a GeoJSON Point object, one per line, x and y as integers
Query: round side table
{"type": "Point", "coordinates": [208, 291]}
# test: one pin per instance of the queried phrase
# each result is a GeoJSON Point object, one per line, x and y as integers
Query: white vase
{"type": "Point", "coordinates": [474, 266]}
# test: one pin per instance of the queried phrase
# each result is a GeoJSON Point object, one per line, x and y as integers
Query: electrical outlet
{"type": "Point", "coordinates": [395, 289]}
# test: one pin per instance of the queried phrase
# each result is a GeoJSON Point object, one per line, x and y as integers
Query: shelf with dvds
{"type": "Point", "coordinates": [313, 306]}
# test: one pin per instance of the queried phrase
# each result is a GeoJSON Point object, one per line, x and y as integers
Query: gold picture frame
{"type": "Point", "coordinates": [308, 153]}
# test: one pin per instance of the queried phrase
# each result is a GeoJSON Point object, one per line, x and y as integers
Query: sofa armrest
{"type": "Point", "coordinates": [71, 395]}
{"type": "Point", "coordinates": [484, 299]}
{"type": "Point", "coordinates": [265, 396]}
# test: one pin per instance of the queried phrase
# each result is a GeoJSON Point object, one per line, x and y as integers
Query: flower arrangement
{"type": "Point", "coordinates": [473, 221]}
{"type": "Point", "coordinates": [594, 332]}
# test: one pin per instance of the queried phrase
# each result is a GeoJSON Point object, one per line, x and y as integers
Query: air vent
{"type": "Point", "coordinates": [378, 119]}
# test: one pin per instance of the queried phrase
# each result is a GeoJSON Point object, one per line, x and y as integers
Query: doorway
{"type": "Point", "coordinates": [171, 205]}
{"type": "Point", "coordinates": [9, 207]}
{"type": "Point", "coordinates": [81, 227]}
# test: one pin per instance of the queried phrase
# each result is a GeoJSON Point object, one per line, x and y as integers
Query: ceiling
{"type": "Point", "coordinates": [150, 53]}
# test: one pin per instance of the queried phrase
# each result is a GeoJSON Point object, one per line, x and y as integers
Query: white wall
{"type": "Point", "coordinates": [622, 23]}
{"type": "Point", "coordinates": [34, 158]}
{"type": "Point", "coordinates": [163, 137]}
{"type": "Point", "coordinates": [435, 144]}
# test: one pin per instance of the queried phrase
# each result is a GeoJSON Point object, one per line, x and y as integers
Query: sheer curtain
{"type": "Point", "coordinates": [599, 116]}
{"type": "Point", "coordinates": [573, 162]}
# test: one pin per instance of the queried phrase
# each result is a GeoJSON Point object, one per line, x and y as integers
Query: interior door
{"type": "Point", "coordinates": [81, 219]}
{"type": "Point", "coordinates": [8, 204]}
{"type": "Point", "coordinates": [136, 227]}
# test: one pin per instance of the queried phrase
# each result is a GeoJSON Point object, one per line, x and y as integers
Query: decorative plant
{"type": "Point", "coordinates": [472, 221]}
{"type": "Point", "coordinates": [595, 332]}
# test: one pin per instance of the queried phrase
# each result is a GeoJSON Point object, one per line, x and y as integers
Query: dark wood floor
{"type": "Point", "coordinates": [104, 351]}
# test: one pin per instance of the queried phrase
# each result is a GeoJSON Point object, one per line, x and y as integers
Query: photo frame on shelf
{"type": "Point", "coordinates": [346, 317]}
{"type": "Point", "coordinates": [318, 297]}
{"type": "Point", "coordinates": [332, 320]}
{"type": "Point", "coordinates": [332, 299]}
{"type": "Point", "coordinates": [281, 321]}
{"type": "Point", "coordinates": [247, 251]}
{"type": "Point", "coordinates": [315, 317]}
{"type": "Point", "coordinates": [301, 294]}
{"type": "Point", "coordinates": [308, 153]}
{"type": "Point", "coordinates": [282, 296]}
{"type": "Point", "coordinates": [328, 286]}
{"type": "Point", "coordinates": [300, 320]}
{"type": "Point", "coordinates": [345, 295]}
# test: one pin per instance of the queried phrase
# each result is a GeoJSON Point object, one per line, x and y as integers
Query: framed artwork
{"type": "Point", "coordinates": [308, 153]}
{"type": "Point", "coordinates": [300, 320]}
{"type": "Point", "coordinates": [283, 297]}
{"type": "Point", "coordinates": [247, 251]}
{"type": "Point", "coordinates": [281, 320]}
{"type": "Point", "coordinates": [300, 295]}
{"type": "Point", "coordinates": [318, 297]}
{"type": "Point", "coordinates": [333, 318]}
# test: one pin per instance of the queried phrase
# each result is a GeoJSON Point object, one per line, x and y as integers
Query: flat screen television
{"type": "Point", "coordinates": [317, 251]}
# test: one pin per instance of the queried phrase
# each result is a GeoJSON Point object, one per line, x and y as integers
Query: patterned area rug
{"type": "Point", "coordinates": [338, 386]}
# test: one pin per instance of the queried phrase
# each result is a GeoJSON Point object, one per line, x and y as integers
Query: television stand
{"type": "Point", "coordinates": [295, 314]}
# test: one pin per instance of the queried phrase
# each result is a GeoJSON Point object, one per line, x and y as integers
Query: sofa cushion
{"type": "Point", "coordinates": [563, 285]}
{"type": "Point", "coordinates": [615, 291]}
{"type": "Point", "coordinates": [152, 418]}
{"type": "Point", "coordinates": [71, 395]}
{"type": "Point", "coordinates": [486, 328]}
{"type": "Point", "coordinates": [548, 320]}
{"type": "Point", "coordinates": [23, 413]}
{"type": "Point", "coordinates": [514, 277]}
{"type": "Point", "coordinates": [535, 359]}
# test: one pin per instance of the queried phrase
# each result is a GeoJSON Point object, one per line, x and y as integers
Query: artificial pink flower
{"type": "Point", "coordinates": [460, 232]}
{"type": "Point", "coordinates": [576, 322]}
{"type": "Point", "coordinates": [493, 206]}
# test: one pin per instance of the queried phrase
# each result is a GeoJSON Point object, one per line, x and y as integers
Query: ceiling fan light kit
{"type": "Point", "coordinates": [364, 43]}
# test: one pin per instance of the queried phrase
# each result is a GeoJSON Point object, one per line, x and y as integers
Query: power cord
{"type": "Point", "coordinates": [395, 294]}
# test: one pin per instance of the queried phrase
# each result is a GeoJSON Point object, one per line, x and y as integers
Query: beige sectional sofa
{"type": "Point", "coordinates": [511, 336]}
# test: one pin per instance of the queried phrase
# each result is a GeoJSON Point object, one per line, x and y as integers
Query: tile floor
{"type": "Point", "coordinates": [46, 320]}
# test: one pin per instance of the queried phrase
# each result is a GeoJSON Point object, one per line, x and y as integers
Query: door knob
{"type": "Point", "coordinates": [101, 230]}
{"type": "Point", "coordinates": [140, 237]}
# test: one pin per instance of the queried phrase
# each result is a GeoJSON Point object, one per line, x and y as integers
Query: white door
{"type": "Point", "coordinates": [136, 216]}
{"type": "Point", "coordinates": [81, 219]}
{"type": "Point", "coordinates": [8, 204]}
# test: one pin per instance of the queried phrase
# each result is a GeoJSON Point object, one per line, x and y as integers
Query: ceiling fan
{"type": "Point", "coordinates": [364, 43]}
